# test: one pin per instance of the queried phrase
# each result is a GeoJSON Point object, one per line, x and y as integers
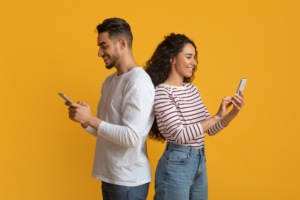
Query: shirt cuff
{"type": "Point", "coordinates": [201, 129]}
{"type": "Point", "coordinates": [220, 125]}
{"type": "Point", "coordinates": [101, 127]}
{"type": "Point", "coordinates": [88, 129]}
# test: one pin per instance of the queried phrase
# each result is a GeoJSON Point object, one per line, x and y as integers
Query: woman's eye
{"type": "Point", "coordinates": [189, 57]}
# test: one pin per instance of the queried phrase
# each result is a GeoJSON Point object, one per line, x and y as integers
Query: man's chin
{"type": "Point", "coordinates": [109, 66]}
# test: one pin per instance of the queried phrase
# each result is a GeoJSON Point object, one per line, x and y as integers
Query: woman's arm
{"type": "Point", "coordinates": [168, 121]}
{"type": "Point", "coordinates": [237, 106]}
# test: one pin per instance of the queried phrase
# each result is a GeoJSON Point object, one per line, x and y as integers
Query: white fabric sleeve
{"type": "Point", "coordinates": [137, 107]}
{"type": "Point", "coordinates": [90, 130]}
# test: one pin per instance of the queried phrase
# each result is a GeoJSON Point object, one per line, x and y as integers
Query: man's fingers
{"type": "Point", "coordinates": [73, 109]}
{"type": "Point", "coordinates": [84, 104]}
{"type": "Point", "coordinates": [74, 105]}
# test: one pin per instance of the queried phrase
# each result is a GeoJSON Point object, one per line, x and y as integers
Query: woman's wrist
{"type": "Point", "coordinates": [217, 118]}
{"type": "Point", "coordinates": [233, 114]}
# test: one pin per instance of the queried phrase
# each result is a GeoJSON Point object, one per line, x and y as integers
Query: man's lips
{"type": "Point", "coordinates": [105, 58]}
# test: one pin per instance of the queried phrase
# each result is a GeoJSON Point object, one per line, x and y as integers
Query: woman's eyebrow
{"type": "Point", "coordinates": [189, 54]}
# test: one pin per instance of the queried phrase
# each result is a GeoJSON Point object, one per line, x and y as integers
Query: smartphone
{"type": "Point", "coordinates": [241, 86]}
{"type": "Point", "coordinates": [65, 98]}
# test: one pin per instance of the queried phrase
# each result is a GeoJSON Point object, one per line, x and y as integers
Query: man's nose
{"type": "Point", "coordinates": [100, 53]}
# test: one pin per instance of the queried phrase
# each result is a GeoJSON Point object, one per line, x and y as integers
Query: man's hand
{"type": "Point", "coordinates": [80, 112]}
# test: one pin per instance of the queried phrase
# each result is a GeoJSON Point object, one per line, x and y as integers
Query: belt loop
{"type": "Point", "coordinates": [191, 152]}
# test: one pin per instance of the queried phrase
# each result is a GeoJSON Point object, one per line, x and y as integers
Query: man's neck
{"type": "Point", "coordinates": [125, 64]}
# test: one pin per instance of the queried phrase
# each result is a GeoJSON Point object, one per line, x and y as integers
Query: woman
{"type": "Point", "coordinates": [182, 120]}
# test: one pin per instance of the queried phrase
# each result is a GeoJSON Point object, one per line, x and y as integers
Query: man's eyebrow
{"type": "Point", "coordinates": [189, 54]}
{"type": "Point", "coordinates": [102, 43]}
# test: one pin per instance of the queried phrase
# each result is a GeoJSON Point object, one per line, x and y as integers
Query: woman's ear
{"type": "Point", "coordinates": [172, 60]}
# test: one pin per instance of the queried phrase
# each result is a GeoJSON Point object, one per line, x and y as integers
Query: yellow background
{"type": "Point", "coordinates": [50, 46]}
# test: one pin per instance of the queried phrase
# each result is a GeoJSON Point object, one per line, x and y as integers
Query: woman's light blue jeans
{"type": "Point", "coordinates": [181, 174]}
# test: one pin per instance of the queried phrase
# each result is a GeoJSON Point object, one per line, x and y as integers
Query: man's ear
{"type": "Point", "coordinates": [122, 43]}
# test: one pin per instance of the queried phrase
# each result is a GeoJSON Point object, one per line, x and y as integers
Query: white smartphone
{"type": "Point", "coordinates": [65, 98]}
{"type": "Point", "coordinates": [241, 86]}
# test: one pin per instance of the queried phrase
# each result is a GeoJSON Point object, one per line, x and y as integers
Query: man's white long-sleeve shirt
{"type": "Point", "coordinates": [126, 108]}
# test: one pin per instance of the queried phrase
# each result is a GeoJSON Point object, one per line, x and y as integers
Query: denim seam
{"type": "Point", "coordinates": [143, 192]}
{"type": "Point", "coordinates": [128, 197]}
{"type": "Point", "coordinates": [170, 163]}
{"type": "Point", "coordinates": [174, 149]}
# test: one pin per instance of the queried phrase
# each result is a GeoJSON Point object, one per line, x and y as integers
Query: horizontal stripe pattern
{"type": "Point", "coordinates": [179, 112]}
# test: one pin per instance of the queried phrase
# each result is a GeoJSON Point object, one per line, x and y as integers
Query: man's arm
{"type": "Point", "coordinates": [136, 109]}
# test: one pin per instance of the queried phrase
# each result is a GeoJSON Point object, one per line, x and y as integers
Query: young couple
{"type": "Point", "coordinates": [161, 100]}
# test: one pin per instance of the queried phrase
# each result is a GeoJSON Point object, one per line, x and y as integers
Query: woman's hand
{"type": "Point", "coordinates": [238, 103]}
{"type": "Point", "coordinates": [226, 103]}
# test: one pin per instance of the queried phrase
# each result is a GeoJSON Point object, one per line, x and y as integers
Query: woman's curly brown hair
{"type": "Point", "coordinates": [158, 67]}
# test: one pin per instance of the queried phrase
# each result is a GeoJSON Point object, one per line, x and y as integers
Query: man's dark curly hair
{"type": "Point", "coordinates": [159, 67]}
{"type": "Point", "coordinates": [116, 28]}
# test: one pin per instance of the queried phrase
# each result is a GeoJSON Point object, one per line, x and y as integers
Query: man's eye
{"type": "Point", "coordinates": [189, 57]}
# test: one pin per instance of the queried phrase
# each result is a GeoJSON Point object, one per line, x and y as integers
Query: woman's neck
{"type": "Point", "coordinates": [174, 79]}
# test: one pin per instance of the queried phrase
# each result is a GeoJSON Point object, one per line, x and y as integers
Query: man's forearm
{"type": "Point", "coordinates": [94, 122]}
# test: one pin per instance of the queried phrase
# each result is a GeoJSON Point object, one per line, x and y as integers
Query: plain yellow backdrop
{"type": "Point", "coordinates": [48, 47]}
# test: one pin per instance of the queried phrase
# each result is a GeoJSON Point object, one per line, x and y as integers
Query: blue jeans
{"type": "Point", "coordinates": [181, 174]}
{"type": "Point", "coordinates": [119, 192]}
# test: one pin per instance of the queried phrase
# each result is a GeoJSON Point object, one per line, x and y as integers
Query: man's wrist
{"type": "Point", "coordinates": [84, 126]}
{"type": "Point", "coordinates": [94, 122]}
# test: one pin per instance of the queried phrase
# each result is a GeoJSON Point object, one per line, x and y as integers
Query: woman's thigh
{"type": "Point", "coordinates": [199, 190]}
{"type": "Point", "coordinates": [174, 175]}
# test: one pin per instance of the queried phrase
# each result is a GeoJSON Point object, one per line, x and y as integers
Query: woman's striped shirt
{"type": "Point", "coordinates": [179, 112]}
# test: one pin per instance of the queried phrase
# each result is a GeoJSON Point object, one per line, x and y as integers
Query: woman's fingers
{"type": "Point", "coordinates": [241, 93]}
{"type": "Point", "coordinates": [229, 104]}
{"type": "Point", "coordinates": [240, 98]}
{"type": "Point", "coordinates": [238, 101]}
{"type": "Point", "coordinates": [236, 105]}
{"type": "Point", "coordinates": [226, 98]}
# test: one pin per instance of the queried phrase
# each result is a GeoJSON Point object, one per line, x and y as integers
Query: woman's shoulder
{"type": "Point", "coordinates": [190, 86]}
{"type": "Point", "coordinates": [162, 88]}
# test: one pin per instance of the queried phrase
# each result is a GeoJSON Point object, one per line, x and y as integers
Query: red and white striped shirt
{"type": "Point", "coordinates": [179, 112]}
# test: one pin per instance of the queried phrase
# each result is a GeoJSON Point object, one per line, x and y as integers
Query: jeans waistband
{"type": "Point", "coordinates": [178, 147]}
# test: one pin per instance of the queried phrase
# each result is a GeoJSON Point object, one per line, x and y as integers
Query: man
{"type": "Point", "coordinates": [124, 118]}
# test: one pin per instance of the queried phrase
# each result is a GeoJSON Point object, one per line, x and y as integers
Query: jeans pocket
{"type": "Point", "coordinates": [145, 189]}
{"type": "Point", "coordinates": [178, 158]}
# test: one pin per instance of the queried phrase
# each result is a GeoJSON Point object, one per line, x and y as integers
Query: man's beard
{"type": "Point", "coordinates": [114, 59]}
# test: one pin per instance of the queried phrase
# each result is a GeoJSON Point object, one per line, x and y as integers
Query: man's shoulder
{"type": "Point", "coordinates": [139, 76]}
{"type": "Point", "coordinates": [109, 77]}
